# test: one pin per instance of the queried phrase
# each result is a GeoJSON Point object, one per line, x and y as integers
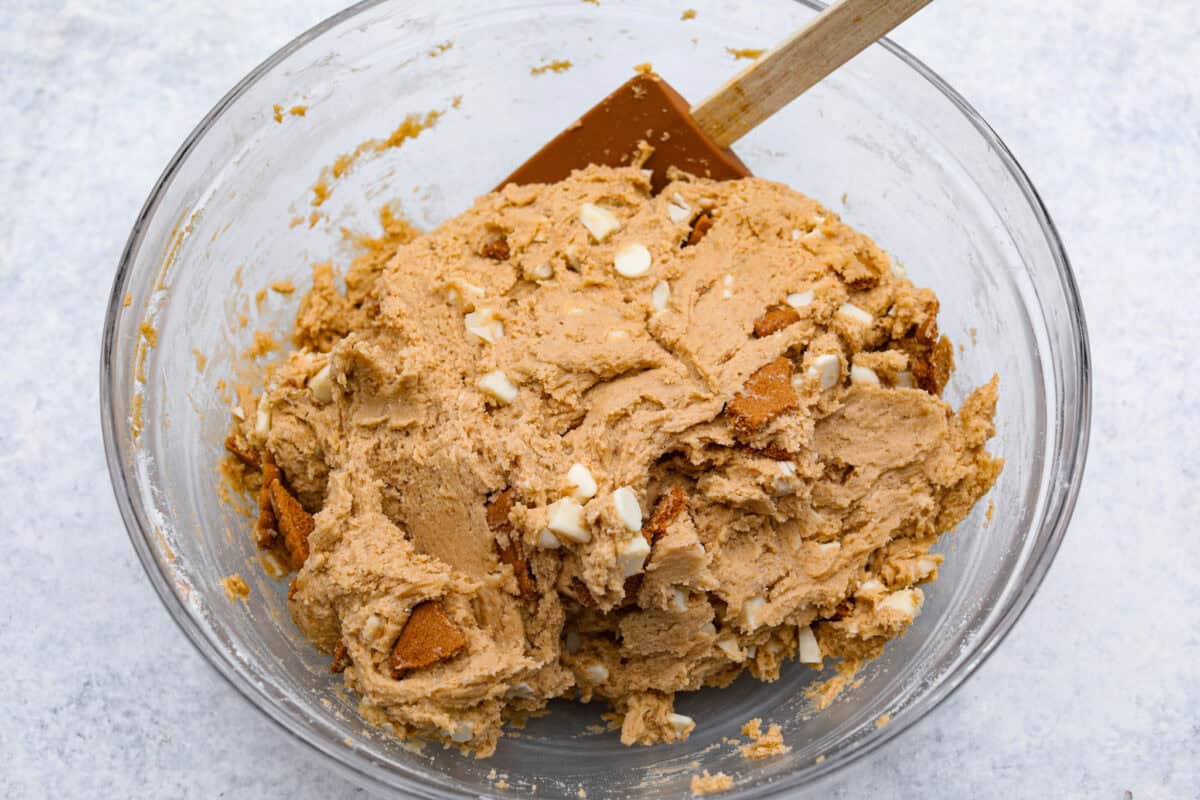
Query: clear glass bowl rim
{"type": "Point", "coordinates": [358, 766]}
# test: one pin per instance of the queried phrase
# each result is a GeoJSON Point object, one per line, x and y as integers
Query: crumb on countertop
{"type": "Point", "coordinates": [763, 745]}
{"type": "Point", "coordinates": [235, 587]}
{"type": "Point", "coordinates": [750, 53]}
{"type": "Point", "coordinates": [557, 65]}
{"type": "Point", "coordinates": [704, 783]}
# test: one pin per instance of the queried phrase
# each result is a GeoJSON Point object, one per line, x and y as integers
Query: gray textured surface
{"type": "Point", "coordinates": [1097, 691]}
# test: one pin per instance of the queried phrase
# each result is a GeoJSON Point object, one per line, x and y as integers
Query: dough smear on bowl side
{"type": "Point", "coordinates": [585, 441]}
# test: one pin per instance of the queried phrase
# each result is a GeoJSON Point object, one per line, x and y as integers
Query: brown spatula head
{"type": "Point", "coordinates": [645, 108]}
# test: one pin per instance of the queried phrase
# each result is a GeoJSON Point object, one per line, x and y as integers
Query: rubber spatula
{"type": "Point", "coordinates": [697, 139]}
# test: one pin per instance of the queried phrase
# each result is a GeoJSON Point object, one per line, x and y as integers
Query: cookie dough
{"type": "Point", "coordinates": [586, 441]}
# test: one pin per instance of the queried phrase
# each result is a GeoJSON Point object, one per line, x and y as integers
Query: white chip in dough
{"type": "Point", "coordinates": [600, 222]}
{"type": "Point", "coordinates": [826, 369]}
{"type": "Point", "coordinates": [321, 386]}
{"type": "Point", "coordinates": [751, 609]}
{"type": "Point", "coordinates": [810, 651]}
{"type": "Point", "coordinates": [632, 555]}
{"type": "Point", "coordinates": [497, 386]}
{"type": "Point", "coordinates": [853, 313]}
{"type": "Point", "coordinates": [660, 295]}
{"type": "Point", "coordinates": [566, 519]}
{"type": "Point", "coordinates": [583, 484]}
{"type": "Point", "coordinates": [596, 673]}
{"type": "Point", "coordinates": [629, 511]}
{"type": "Point", "coordinates": [682, 724]}
{"type": "Point", "coordinates": [863, 375]}
{"type": "Point", "coordinates": [632, 260]}
{"type": "Point", "coordinates": [484, 324]}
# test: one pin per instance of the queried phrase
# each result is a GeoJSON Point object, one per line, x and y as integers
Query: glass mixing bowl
{"type": "Point", "coordinates": [883, 141]}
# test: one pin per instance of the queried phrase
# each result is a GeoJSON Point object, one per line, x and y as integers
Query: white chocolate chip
{"type": "Point", "coordinates": [863, 375]}
{"type": "Point", "coordinates": [906, 602]}
{"type": "Point", "coordinates": [925, 567]}
{"type": "Point", "coordinates": [572, 641]}
{"type": "Point", "coordinates": [678, 209]}
{"type": "Point", "coordinates": [520, 690]}
{"type": "Point", "coordinates": [810, 651]}
{"type": "Point", "coordinates": [600, 222]}
{"type": "Point", "coordinates": [372, 628]}
{"type": "Point", "coordinates": [897, 269]}
{"type": "Point", "coordinates": [596, 673]}
{"type": "Point", "coordinates": [484, 324]}
{"type": "Point", "coordinates": [826, 369]}
{"type": "Point", "coordinates": [496, 385]}
{"type": "Point", "coordinates": [647, 174]}
{"type": "Point", "coordinates": [800, 299]}
{"type": "Point", "coordinates": [679, 600]}
{"type": "Point", "coordinates": [682, 724]}
{"type": "Point", "coordinates": [237, 412]}
{"type": "Point", "coordinates": [660, 295]}
{"type": "Point", "coordinates": [904, 379]}
{"type": "Point", "coordinates": [631, 555]}
{"type": "Point", "coordinates": [785, 482]}
{"type": "Point", "coordinates": [583, 484]}
{"type": "Point", "coordinates": [262, 418]}
{"type": "Point", "coordinates": [632, 260]}
{"type": "Point", "coordinates": [678, 214]}
{"type": "Point", "coordinates": [852, 313]}
{"type": "Point", "coordinates": [709, 628]}
{"type": "Point", "coordinates": [729, 647]}
{"type": "Point", "coordinates": [566, 519]}
{"type": "Point", "coordinates": [869, 586]}
{"type": "Point", "coordinates": [629, 512]}
{"type": "Point", "coordinates": [547, 540]}
{"type": "Point", "coordinates": [750, 611]}
{"type": "Point", "coordinates": [829, 547]}
{"type": "Point", "coordinates": [542, 272]}
{"type": "Point", "coordinates": [463, 732]}
{"type": "Point", "coordinates": [321, 386]}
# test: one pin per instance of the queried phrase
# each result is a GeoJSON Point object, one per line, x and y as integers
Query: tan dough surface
{"type": "Point", "coordinates": [800, 508]}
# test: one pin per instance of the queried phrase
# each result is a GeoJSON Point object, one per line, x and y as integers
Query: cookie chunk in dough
{"type": "Point", "coordinates": [563, 445]}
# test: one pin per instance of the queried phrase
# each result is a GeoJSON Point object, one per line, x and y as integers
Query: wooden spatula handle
{"type": "Point", "coordinates": [829, 40]}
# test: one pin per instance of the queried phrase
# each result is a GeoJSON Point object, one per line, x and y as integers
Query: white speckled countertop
{"type": "Point", "coordinates": [1095, 693]}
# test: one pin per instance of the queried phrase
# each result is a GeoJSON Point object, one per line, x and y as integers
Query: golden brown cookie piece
{"type": "Point", "coordinates": [766, 394]}
{"type": "Point", "coordinates": [773, 452]}
{"type": "Point", "coordinates": [700, 228]}
{"type": "Point", "coordinates": [495, 247]}
{"type": "Point", "coordinates": [670, 506]}
{"type": "Point", "coordinates": [295, 524]}
{"type": "Point", "coordinates": [341, 658]}
{"type": "Point", "coordinates": [774, 320]}
{"type": "Point", "coordinates": [429, 636]}
{"type": "Point", "coordinates": [266, 531]}
{"type": "Point", "coordinates": [512, 553]}
{"type": "Point", "coordinates": [242, 452]}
